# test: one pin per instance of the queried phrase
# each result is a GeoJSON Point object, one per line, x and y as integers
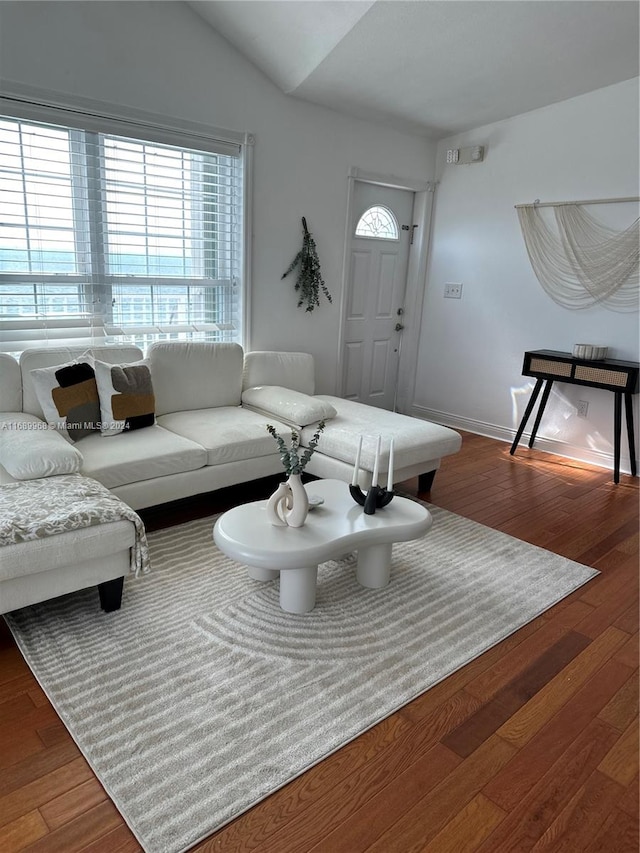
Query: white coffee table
{"type": "Point", "coordinates": [336, 527]}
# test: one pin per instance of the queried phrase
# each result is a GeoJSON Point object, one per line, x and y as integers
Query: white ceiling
{"type": "Point", "coordinates": [434, 67]}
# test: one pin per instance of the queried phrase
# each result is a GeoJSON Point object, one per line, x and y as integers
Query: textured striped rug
{"type": "Point", "coordinates": [201, 697]}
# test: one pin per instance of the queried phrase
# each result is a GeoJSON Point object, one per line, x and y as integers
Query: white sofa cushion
{"type": "Point", "coordinates": [293, 370]}
{"type": "Point", "coordinates": [414, 440]}
{"type": "Point", "coordinates": [140, 455]}
{"type": "Point", "coordinates": [229, 434]}
{"type": "Point", "coordinates": [11, 396]}
{"type": "Point", "coordinates": [290, 407]}
{"type": "Point", "coordinates": [29, 449]}
{"type": "Point", "coordinates": [190, 376]}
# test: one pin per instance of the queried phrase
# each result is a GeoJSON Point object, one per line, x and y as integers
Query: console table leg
{"type": "Point", "coordinates": [628, 403]}
{"type": "Point", "coordinates": [527, 412]}
{"type": "Point", "coordinates": [617, 429]}
{"type": "Point", "coordinates": [543, 403]}
{"type": "Point", "coordinates": [298, 589]}
{"type": "Point", "coordinates": [374, 565]}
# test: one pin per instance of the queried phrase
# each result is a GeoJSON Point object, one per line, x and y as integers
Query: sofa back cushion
{"type": "Point", "coordinates": [293, 370]}
{"type": "Point", "coordinates": [195, 375]}
{"type": "Point", "coordinates": [10, 384]}
{"type": "Point", "coordinates": [34, 359]}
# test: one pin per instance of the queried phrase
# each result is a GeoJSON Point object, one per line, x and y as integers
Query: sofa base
{"type": "Point", "coordinates": [40, 569]}
{"type": "Point", "coordinates": [174, 487]}
{"type": "Point", "coordinates": [334, 469]}
{"type": "Point", "coordinates": [33, 588]}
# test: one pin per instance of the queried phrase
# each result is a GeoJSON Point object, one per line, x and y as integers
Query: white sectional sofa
{"type": "Point", "coordinates": [209, 431]}
{"type": "Point", "coordinates": [211, 407]}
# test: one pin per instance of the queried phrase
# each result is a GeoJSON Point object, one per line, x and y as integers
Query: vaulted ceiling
{"type": "Point", "coordinates": [433, 67]}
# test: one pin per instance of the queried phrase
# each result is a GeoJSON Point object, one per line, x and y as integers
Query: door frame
{"type": "Point", "coordinates": [416, 277]}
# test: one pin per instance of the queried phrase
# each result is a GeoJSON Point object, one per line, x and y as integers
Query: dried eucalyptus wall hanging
{"type": "Point", "coordinates": [309, 282]}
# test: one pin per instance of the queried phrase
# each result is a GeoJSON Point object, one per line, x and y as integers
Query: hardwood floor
{"type": "Point", "coordinates": [532, 746]}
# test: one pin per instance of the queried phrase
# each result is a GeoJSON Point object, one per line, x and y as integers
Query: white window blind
{"type": "Point", "coordinates": [106, 237]}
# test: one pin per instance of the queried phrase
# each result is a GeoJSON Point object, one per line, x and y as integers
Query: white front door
{"type": "Point", "coordinates": [376, 287]}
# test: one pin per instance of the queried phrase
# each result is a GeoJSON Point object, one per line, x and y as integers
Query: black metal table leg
{"type": "Point", "coordinates": [628, 403]}
{"type": "Point", "coordinates": [543, 403]}
{"type": "Point", "coordinates": [617, 428]}
{"type": "Point", "coordinates": [527, 413]}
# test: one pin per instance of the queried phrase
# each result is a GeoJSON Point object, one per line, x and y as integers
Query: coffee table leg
{"type": "Point", "coordinates": [262, 574]}
{"type": "Point", "coordinates": [374, 565]}
{"type": "Point", "coordinates": [298, 589]}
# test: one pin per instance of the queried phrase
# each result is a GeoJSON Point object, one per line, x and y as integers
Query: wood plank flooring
{"type": "Point", "coordinates": [532, 746]}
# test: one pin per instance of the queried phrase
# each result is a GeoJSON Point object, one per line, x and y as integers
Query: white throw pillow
{"type": "Point", "coordinates": [126, 396]}
{"type": "Point", "coordinates": [30, 449]}
{"type": "Point", "coordinates": [291, 407]}
{"type": "Point", "coordinates": [68, 396]}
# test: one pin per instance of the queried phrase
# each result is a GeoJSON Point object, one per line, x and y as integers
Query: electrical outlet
{"type": "Point", "coordinates": [453, 290]}
{"type": "Point", "coordinates": [583, 408]}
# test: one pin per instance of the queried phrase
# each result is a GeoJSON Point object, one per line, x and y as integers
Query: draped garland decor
{"type": "Point", "coordinates": [309, 281]}
{"type": "Point", "coordinates": [585, 262]}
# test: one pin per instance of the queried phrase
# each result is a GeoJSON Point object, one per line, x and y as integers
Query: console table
{"type": "Point", "coordinates": [621, 377]}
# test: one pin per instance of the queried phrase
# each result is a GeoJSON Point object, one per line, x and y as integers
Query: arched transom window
{"type": "Point", "coordinates": [378, 222]}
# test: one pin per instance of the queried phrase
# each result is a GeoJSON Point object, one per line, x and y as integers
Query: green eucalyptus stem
{"type": "Point", "coordinates": [309, 282]}
{"type": "Point", "coordinates": [291, 461]}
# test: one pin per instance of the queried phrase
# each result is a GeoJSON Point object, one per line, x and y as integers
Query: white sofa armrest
{"type": "Point", "coordinates": [30, 449]}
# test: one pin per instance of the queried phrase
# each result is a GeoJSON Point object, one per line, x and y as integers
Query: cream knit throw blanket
{"type": "Point", "coordinates": [33, 509]}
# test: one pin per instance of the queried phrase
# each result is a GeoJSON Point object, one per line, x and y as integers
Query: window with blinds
{"type": "Point", "coordinates": [106, 237]}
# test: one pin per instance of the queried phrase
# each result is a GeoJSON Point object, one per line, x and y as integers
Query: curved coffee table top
{"type": "Point", "coordinates": [337, 526]}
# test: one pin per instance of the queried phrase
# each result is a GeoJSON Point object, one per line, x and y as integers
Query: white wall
{"type": "Point", "coordinates": [471, 351]}
{"type": "Point", "coordinates": [162, 58]}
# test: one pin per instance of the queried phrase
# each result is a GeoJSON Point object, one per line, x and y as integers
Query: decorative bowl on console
{"type": "Point", "coordinates": [590, 352]}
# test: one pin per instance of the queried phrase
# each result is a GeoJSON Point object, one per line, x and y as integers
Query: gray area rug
{"type": "Point", "coordinates": [201, 697]}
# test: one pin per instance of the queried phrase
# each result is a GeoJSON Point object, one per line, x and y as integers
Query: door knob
{"type": "Point", "coordinates": [399, 327]}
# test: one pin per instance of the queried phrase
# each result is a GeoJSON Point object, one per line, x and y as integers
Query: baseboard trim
{"type": "Point", "coordinates": [548, 445]}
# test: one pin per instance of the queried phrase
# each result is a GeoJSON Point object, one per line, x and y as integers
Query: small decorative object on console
{"type": "Point", "coordinates": [590, 352]}
{"type": "Point", "coordinates": [376, 497]}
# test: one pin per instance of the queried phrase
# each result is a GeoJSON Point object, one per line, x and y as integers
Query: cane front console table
{"type": "Point", "coordinates": [621, 377]}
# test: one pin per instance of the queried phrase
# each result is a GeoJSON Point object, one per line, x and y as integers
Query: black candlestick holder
{"type": "Point", "coordinates": [374, 499]}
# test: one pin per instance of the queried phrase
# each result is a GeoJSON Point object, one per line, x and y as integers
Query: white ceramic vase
{"type": "Point", "coordinates": [289, 504]}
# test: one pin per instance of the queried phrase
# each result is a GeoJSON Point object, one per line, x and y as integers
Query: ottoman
{"type": "Point", "coordinates": [64, 533]}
